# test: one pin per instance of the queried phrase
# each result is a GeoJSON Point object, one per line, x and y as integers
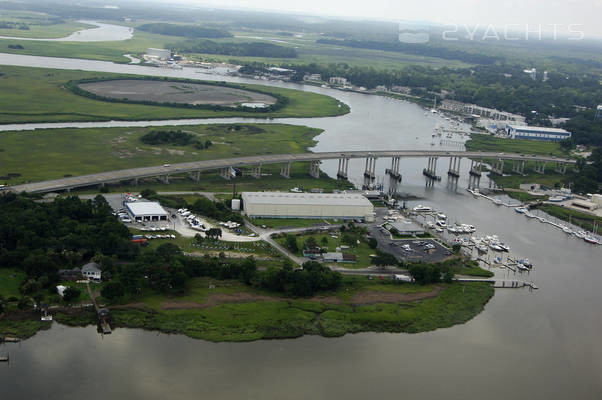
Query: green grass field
{"type": "Point", "coordinates": [39, 95]}
{"type": "Point", "coordinates": [495, 144]}
{"type": "Point", "coordinates": [55, 153]}
{"type": "Point", "coordinates": [43, 31]}
{"type": "Point", "coordinates": [290, 222]}
{"type": "Point", "coordinates": [362, 251]}
{"type": "Point", "coordinates": [274, 318]}
{"type": "Point", "coordinates": [10, 282]}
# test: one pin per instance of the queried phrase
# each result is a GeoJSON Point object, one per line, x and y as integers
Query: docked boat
{"type": "Point", "coordinates": [526, 263]}
{"type": "Point", "coordinates": [482, 248]}
{"type": "Point", "coordinates": [504, 247]}
{"type": "Point", "coordinates": [421, 208]}
{"type": "Point", "coordinates": [521, 210]}
{"type": "Point", "coordinates": [495, 247]}
{"type": "Point", "coordinates": [566, 229]}
{"type": "Point", "coordinates": [592, 239]}
{"type": "Point", "coordinates": [581, 234]}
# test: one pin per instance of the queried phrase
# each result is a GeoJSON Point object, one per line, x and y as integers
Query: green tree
{"type": "Point", "coordinates": [291, 243]}
{"type": "Point", "coordinates": [373, 243]}
{"type": "Point", "coordinates": [112, 291]}
{"type": "Point", "coordinates": [71, 293]}
{"type": "Point", "coordinates": [324, 241]}
{"type": "Point", "coordinates": [310, 243]}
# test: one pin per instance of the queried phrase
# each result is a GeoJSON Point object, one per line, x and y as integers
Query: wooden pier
{"type": "Point", "coordinates": [502, 283]}
{"type": "Point", "coordinates": [102, 313]}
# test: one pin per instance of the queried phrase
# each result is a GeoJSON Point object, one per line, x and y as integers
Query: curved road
{"type": "Point", "coordinates": [197, 166]}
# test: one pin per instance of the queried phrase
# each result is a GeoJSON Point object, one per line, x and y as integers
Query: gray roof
{"type": "Point", "coordinates": [91, 267]}
{"type": "Point", "coordinates": [141, 208]}
{"type": "Point", "coordinates": [283, 198]}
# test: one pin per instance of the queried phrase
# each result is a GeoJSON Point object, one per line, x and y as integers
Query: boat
{"type": "Point", "coordinates": [566, 229]}
{"type": "Point", "coordinates": [526, 263]}
{"type": "Point", "coordinates": [591, 239]}
{"type": "Point", "coordinates": [522, 267]}
{"type": "Point", "coordinates": [495, 246]}
{"type": "Point", "coordinates": [441, 223]}
{"type": "Point", "coordinates": [504, 247]}
{"type": "Point", "coordinates": [420, 207]}
{"type": "Point", "coordinates": [439, 229]}
{"type": "Point", "coordinates": [581, 234]}
{"type": "Point", "coordinates": [520, 210]}
{"type": "Point", "coordinates": [497, 201]}
{"type": "Point", "coordinates": [497, 260]}
{"type": "Point", "coordinates": [482, 248]}
{"type": "Point", "coordinates": [556, 199]}
{"type": "Point", "coordinates": [441, 216]}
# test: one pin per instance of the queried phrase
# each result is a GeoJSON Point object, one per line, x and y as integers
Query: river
{"type": "Point", "coordinates": [542, 344]}
{"type": "Point", "coordinates": [101, 33]}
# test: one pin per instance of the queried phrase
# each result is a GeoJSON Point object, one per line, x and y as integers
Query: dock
{"type": "Point", "coordinates": [502, 283]}
{"type": "Point", "coordinates": [102, 313]}
{"type": "Point", "coordinates": [8, 339]}
{"type": "Point", "coordinates": [4, 359]}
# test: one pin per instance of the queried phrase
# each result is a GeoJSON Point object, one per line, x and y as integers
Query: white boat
{"type": "Point", "coordinates": [482, 248]}
{"type": "Point", "coordinates": [497, 201]}
{"type": "Point", "coordinates": [438, 229]}
{"type": "Point", "coordinates": [495, 246]}
{"type": "Point", "coordinates": [442, 223]}
{"type": "Point", "coordinates": [420, 207]}
{"type": "Point", "coordinates": [581, 234]}
{"type": "Point", "coordinates": [591, 239]}
{"type": "Point", "coordinates": [568, 230]}
{"type": "Point", "coordinates": [504, 247]}
{"type": "Point", "coordinates": [520, 210]}
{"type": "Point", "coordinates": [526, 263]}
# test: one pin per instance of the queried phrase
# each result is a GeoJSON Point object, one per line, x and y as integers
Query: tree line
{"type": "Point", "coordinates": [245, 49]}
{"type": "Point", "coordinates": [192, 31]}
{"type": "Point", "coordinates": [174, 138]}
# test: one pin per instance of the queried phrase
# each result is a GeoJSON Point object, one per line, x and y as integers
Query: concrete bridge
{"type": "Point", "coordinates": [254, 163]}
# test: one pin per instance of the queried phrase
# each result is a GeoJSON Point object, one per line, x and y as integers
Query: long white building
{"type": "Point", "coordinates": [147, 211]}
{"type": "Point", "coordinates": [307, 205]}
{"type": "Point", "coordinates": [537, 133]}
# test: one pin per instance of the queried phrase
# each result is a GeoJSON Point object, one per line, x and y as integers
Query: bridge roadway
{"type": "Point", "coordinates": [197, 166]}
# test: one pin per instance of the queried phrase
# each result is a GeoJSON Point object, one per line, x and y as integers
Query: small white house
{"type": "Point", "coordinates": [91, 271]}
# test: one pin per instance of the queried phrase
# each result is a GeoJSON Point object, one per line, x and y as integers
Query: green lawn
{"type": "Point", "coordinates": [39, 95]}
{"type": "Point", "coordinates": [550, 179]}
{"type": "Point", "coordinates": [362, 251]}
{"type": "Point", "coordinates": [10, 282]}
{"type": "Point", "coordinates": [55, 153]}
{"type": "Point", "coordinates": [290, 222]}
{"type": "Point", "coordinates": [495, 144]}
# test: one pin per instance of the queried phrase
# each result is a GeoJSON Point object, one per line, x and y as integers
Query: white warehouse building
{"type": "Point", "coordinates": [147, 211]}
{"type": "Point", "coordinates": [307, 205]}
{"type": "Point", "coordinates": [537, 133]}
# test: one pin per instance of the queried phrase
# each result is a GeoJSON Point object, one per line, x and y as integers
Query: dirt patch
{"type": "Point", "coordinates": [366, 298]}
{"type": "Point", "coordinates": [327, 300]}
{"type": "Point", "coordinates": [216, 299]}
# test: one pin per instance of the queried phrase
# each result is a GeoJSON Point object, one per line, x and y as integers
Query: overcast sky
{"type": "Point", "coordinates": [588, 13]}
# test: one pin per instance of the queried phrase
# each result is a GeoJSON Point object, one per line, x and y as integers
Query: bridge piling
{"type": "Point", "coordinates": [314, 169]}
{"type": "Point", "coordinates": [256, 171]}
{"type": "Point", "coordinates": [431, 170]}
{"type": "Point", "coordinates": [285, 170]}
{"type": "Point", "coordinates": [225, 173]}
{"type": "Point", "coordinates": [343, 168]}
{"type": "Point", "coordinates": [560, 168]}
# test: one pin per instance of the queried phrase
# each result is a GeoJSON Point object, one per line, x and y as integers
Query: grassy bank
{"type": "Point", "coordinates": [586, 221]}
{"type": "Point", "coordinates": [290, 222]}
{"type": "Point", "coordinates": [55, 153]}
{"type": "Point", "coordinates": [224, 310]}
{"type": "Point", "coordinates": [494, 144]}
{"type": "Point", "coordinates": [38, 95]}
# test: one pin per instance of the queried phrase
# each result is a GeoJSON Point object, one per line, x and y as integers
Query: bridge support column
{"type": "Point", "coordinates": [165, 179]}
{"type": "Point", "coordinates": [226, 173]}
{"type": "Point", "coordinates": [518, 167]}
{"type": "Point", "coordinates": [369, 171]}
{"type": "Point", "coordinates": [431, 170]}
{"type": "Point", "coordinates": [394, 175]}
{"type": "Point", "coordinates": [256, 171]}
{"type": "Point", "coordinates": [195, 176]}
{"type": "Point", "coordinates": [314, 169]}
{"type": "Point", "coordinates": [560, 167]}
{"type": "Point", "coordinates": [454, 167]}
{"type": "Point", "coordinates": [498, 167]}
{"type": "Point", "coordinates": [135, 181]}
{"type": "Point", "coordinates": [540, 167]}
{"type": "Point", "coordinates": [343, 168]}
{"type": "Point", "coordinates": [285, 170]}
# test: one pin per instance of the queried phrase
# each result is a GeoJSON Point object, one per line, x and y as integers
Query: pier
{"type": "Point", "coordinates": [102, 313]}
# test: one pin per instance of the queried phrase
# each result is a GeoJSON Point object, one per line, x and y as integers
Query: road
{"type": "Point", "coordinates": [207, 165]}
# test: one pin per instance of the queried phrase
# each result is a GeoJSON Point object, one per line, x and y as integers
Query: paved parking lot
{"type": "Point", "coordinates": [416, 252]}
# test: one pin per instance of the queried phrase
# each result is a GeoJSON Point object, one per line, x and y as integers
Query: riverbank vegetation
{"type": "Point", "coordinates": [584, 220]}
{"type": "Point", "coordinates": [55, 153]}
{"type": "Point", "coordinates": [38, 95]}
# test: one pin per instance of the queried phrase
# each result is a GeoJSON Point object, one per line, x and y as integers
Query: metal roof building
{"type": "Point", "coordinates": [537, 133]}
{"type": "Point", "coordinates": [147, 211]}
{"type": "Point", "coordinates": [307, 205]}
